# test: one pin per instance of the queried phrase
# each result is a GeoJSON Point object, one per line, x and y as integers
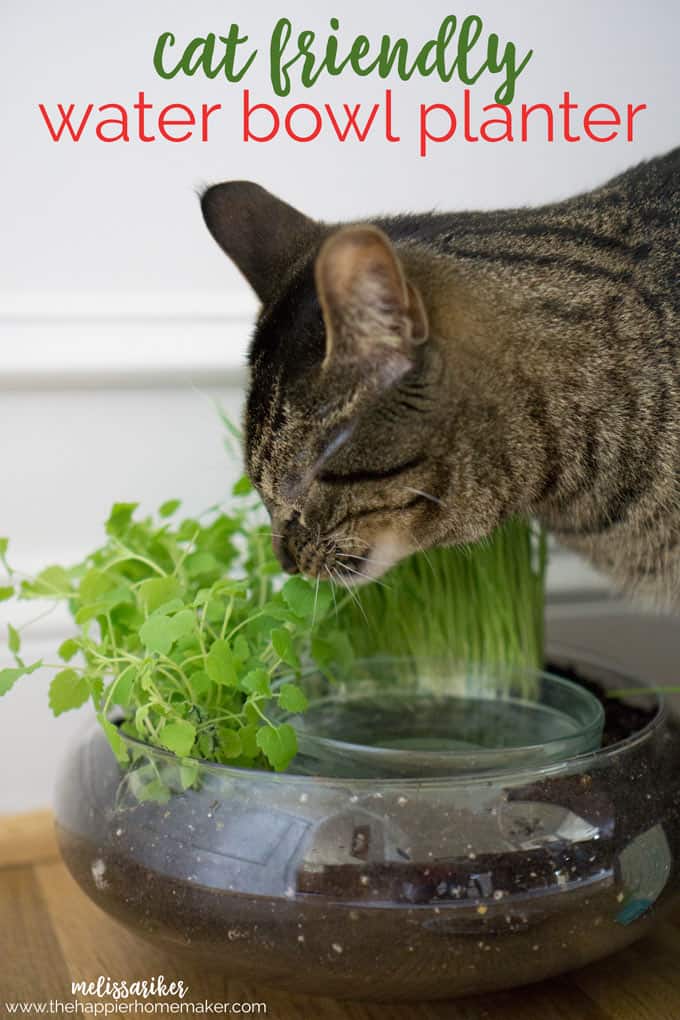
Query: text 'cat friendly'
{"type": "Point", "coordinates": [455, 52]}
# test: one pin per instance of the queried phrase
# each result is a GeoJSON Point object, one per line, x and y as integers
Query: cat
{"type": "Point", "coordinates": [417, 379]}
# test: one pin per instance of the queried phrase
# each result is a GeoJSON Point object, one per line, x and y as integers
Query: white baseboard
{"type": "Point", "coordinates": [145, 339]}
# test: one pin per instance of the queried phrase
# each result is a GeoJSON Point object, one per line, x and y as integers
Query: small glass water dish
{"type": "Point", "coordinates": [406, 718]}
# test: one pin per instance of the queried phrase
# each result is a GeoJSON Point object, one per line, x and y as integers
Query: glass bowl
{"type": "Point", "coordinates": [393, 718]}
{"type": "Point", "coordinates": [385, 888]}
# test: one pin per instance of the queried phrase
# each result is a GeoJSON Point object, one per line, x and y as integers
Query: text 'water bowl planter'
{"type": "Point", "coordinates": [384, 888]}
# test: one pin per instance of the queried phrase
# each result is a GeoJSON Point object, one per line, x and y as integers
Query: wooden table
{"type": "Point", "coordinates": [51, 934]}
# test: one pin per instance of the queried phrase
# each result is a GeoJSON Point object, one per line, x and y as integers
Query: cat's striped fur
{"type": "Point", "coordinates": [417, 380]}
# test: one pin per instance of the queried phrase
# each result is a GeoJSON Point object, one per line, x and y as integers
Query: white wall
{"type": "Point", "coordinates": [104, 259]}
{"type": "Point", "coordinates": [120, 319]}
{"type": "Point", "coordinates": [120, 219]}
{"type": "Point", "coordinates": [68, 455]}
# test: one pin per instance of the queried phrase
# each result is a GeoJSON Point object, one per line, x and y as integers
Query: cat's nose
{"type": "Point", "coordinates": [284, 555]}
{"type": "Point", "coordinates": [281, 543]}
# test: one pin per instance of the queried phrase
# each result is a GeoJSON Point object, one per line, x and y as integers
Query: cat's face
{"type": "Point", "coordinates": [341, 421]}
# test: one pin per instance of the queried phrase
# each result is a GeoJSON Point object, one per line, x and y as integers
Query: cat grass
{"type": "Point", "coordinates": [475, 613]}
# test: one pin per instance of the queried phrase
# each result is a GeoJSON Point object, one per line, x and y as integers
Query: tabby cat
{"type": "Point", "coordinates": [417, 379]}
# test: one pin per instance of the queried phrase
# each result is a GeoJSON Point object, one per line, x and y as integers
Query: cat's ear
{"type": "Point", "coordinates": [374, 317]}
{"type": "Point", "coordinates": [258, 231]}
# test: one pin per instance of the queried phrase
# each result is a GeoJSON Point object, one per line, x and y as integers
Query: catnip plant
{"type": "Point", "coordinates": [180, 624]}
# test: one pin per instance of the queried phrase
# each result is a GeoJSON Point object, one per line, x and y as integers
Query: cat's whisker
{"type": "Point", "coordinates": [424, 553]}
{"type": "Point", "coordinates": [366, 559]}
{"type": "Point", "coordinates": [359, 573]}
{"type": "Point", "coordinates": [351, 543]}
{"type": "Point", "coordinates": [426, 495]}
{"type": "Point", "coordinates": [332, 584]}
{"type": "Point", "coordinates": [352, 570]}
{"type": "Point", "coordinates": [316, 599]}
{"type": "Point", "coordinates": [352, 594]}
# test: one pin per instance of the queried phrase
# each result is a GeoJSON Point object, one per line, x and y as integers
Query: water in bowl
{"type": "Point", "coordinates": [408, 733]}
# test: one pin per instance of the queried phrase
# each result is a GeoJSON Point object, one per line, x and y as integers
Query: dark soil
{"type": "Point", "coordinates": [621, 717]}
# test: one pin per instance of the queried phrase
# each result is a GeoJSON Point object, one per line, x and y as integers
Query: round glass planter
{"type": "Point", "coordinates": [389, 718]}
{"type": "Point", "coordinates": [385, 888]}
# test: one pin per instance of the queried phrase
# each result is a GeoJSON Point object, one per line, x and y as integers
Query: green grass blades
{"type": "Point", "coordinates": [476, 612]}
{"type": "Point", "coordinates": [184, 624]}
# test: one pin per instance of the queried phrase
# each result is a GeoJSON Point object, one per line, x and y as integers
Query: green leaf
{"type": "Point", "coordinates": [324, 601]}
{"type": "Point", "coordinates": [270, 568]}
{"type": "Point", "coordinates": [278, 743]}
{"type": "Point", "coordinates": [299, 596]}
{"type": "Point", "coordinates": [6, 593]}
{"type": "Point", "coordinates": [155, 790]}
{"type": "Point", "coordinates": [230, 742]}
{"type": "Point", "coordinates": [120, 692]}
{"type": "Point", "coordinates": [250, 713]}
{"type": "Point", "coordinates": [4, 545]}
{"type": "Point", "coordinates": [335, 649]}
{"type": "Point", "coordinates": [256, 682]}
{"type": "Point", "coordinates": [168, 608]}
{"type": "Point", "coordinates": [170, 507]}
{"type": "Point", "coordinates": [96, 688]}
{"type": "Point", "coordinates": [342, 649]}
{"type": "Point", "coordinates": [50, 582]}
{"type": "Point", "coordinates": [321, 651]}
{"type": "Point", "coordinates": [67, 649]}
{"type": "Point", "coordinates": [201, 563]}
{"type": "Point", "coordinates": [183, 623]}
{"type": "Point", "coordinates": [201, 684]}
{"type": "Point", "coordinates": [248, 737]}
{"type": "Point", "coordinates": [159, 633]}
{"type": "Point", "coordinates": [118, 596]}
{"type": "Point", "coordinates": [91, 612]}
{"type": "Point", "coordinates": [120, 518]}
{"type": "Point", "coordinates": [8, 677]}
{"type": "Point", "coordinates": [292, 698]}
{"type": "Point", "coordinates": [94, 585]}
{"type": "Point", "coordinates": [242, 487]}
{"type": "Point", "coordinates": [279, 611]}
{"type": "Point", "coordinates": [188, 774]}
{"type": "Point", "coordinates": [241, 648]}
{"type": "Point", "coordinates": [283, 646]}
{"type": "Point", "coordinates": [158, 591]}
{"type": "Point", "coordinates": [220, 664]}
{"type": "Point", "coordinates": [68, 690]}
{"type": "Point", "coordinates": [118, 745]}
{"type": "Point", "coordinates": [13, 639]}
{"type": "Point", "coordinates": [189, 530]}
{"type": "Point", "coordinates": [206, 745]}
{"type": "Point", "coordinates": [178, 735]}
{"type": "Point", "coordinates": [216, 611]}
{"type": "Point", "coordinates": [109, 601]}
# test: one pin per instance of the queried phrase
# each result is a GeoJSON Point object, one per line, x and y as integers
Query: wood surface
{"type": "Point", "coordinates": [51, 934]}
